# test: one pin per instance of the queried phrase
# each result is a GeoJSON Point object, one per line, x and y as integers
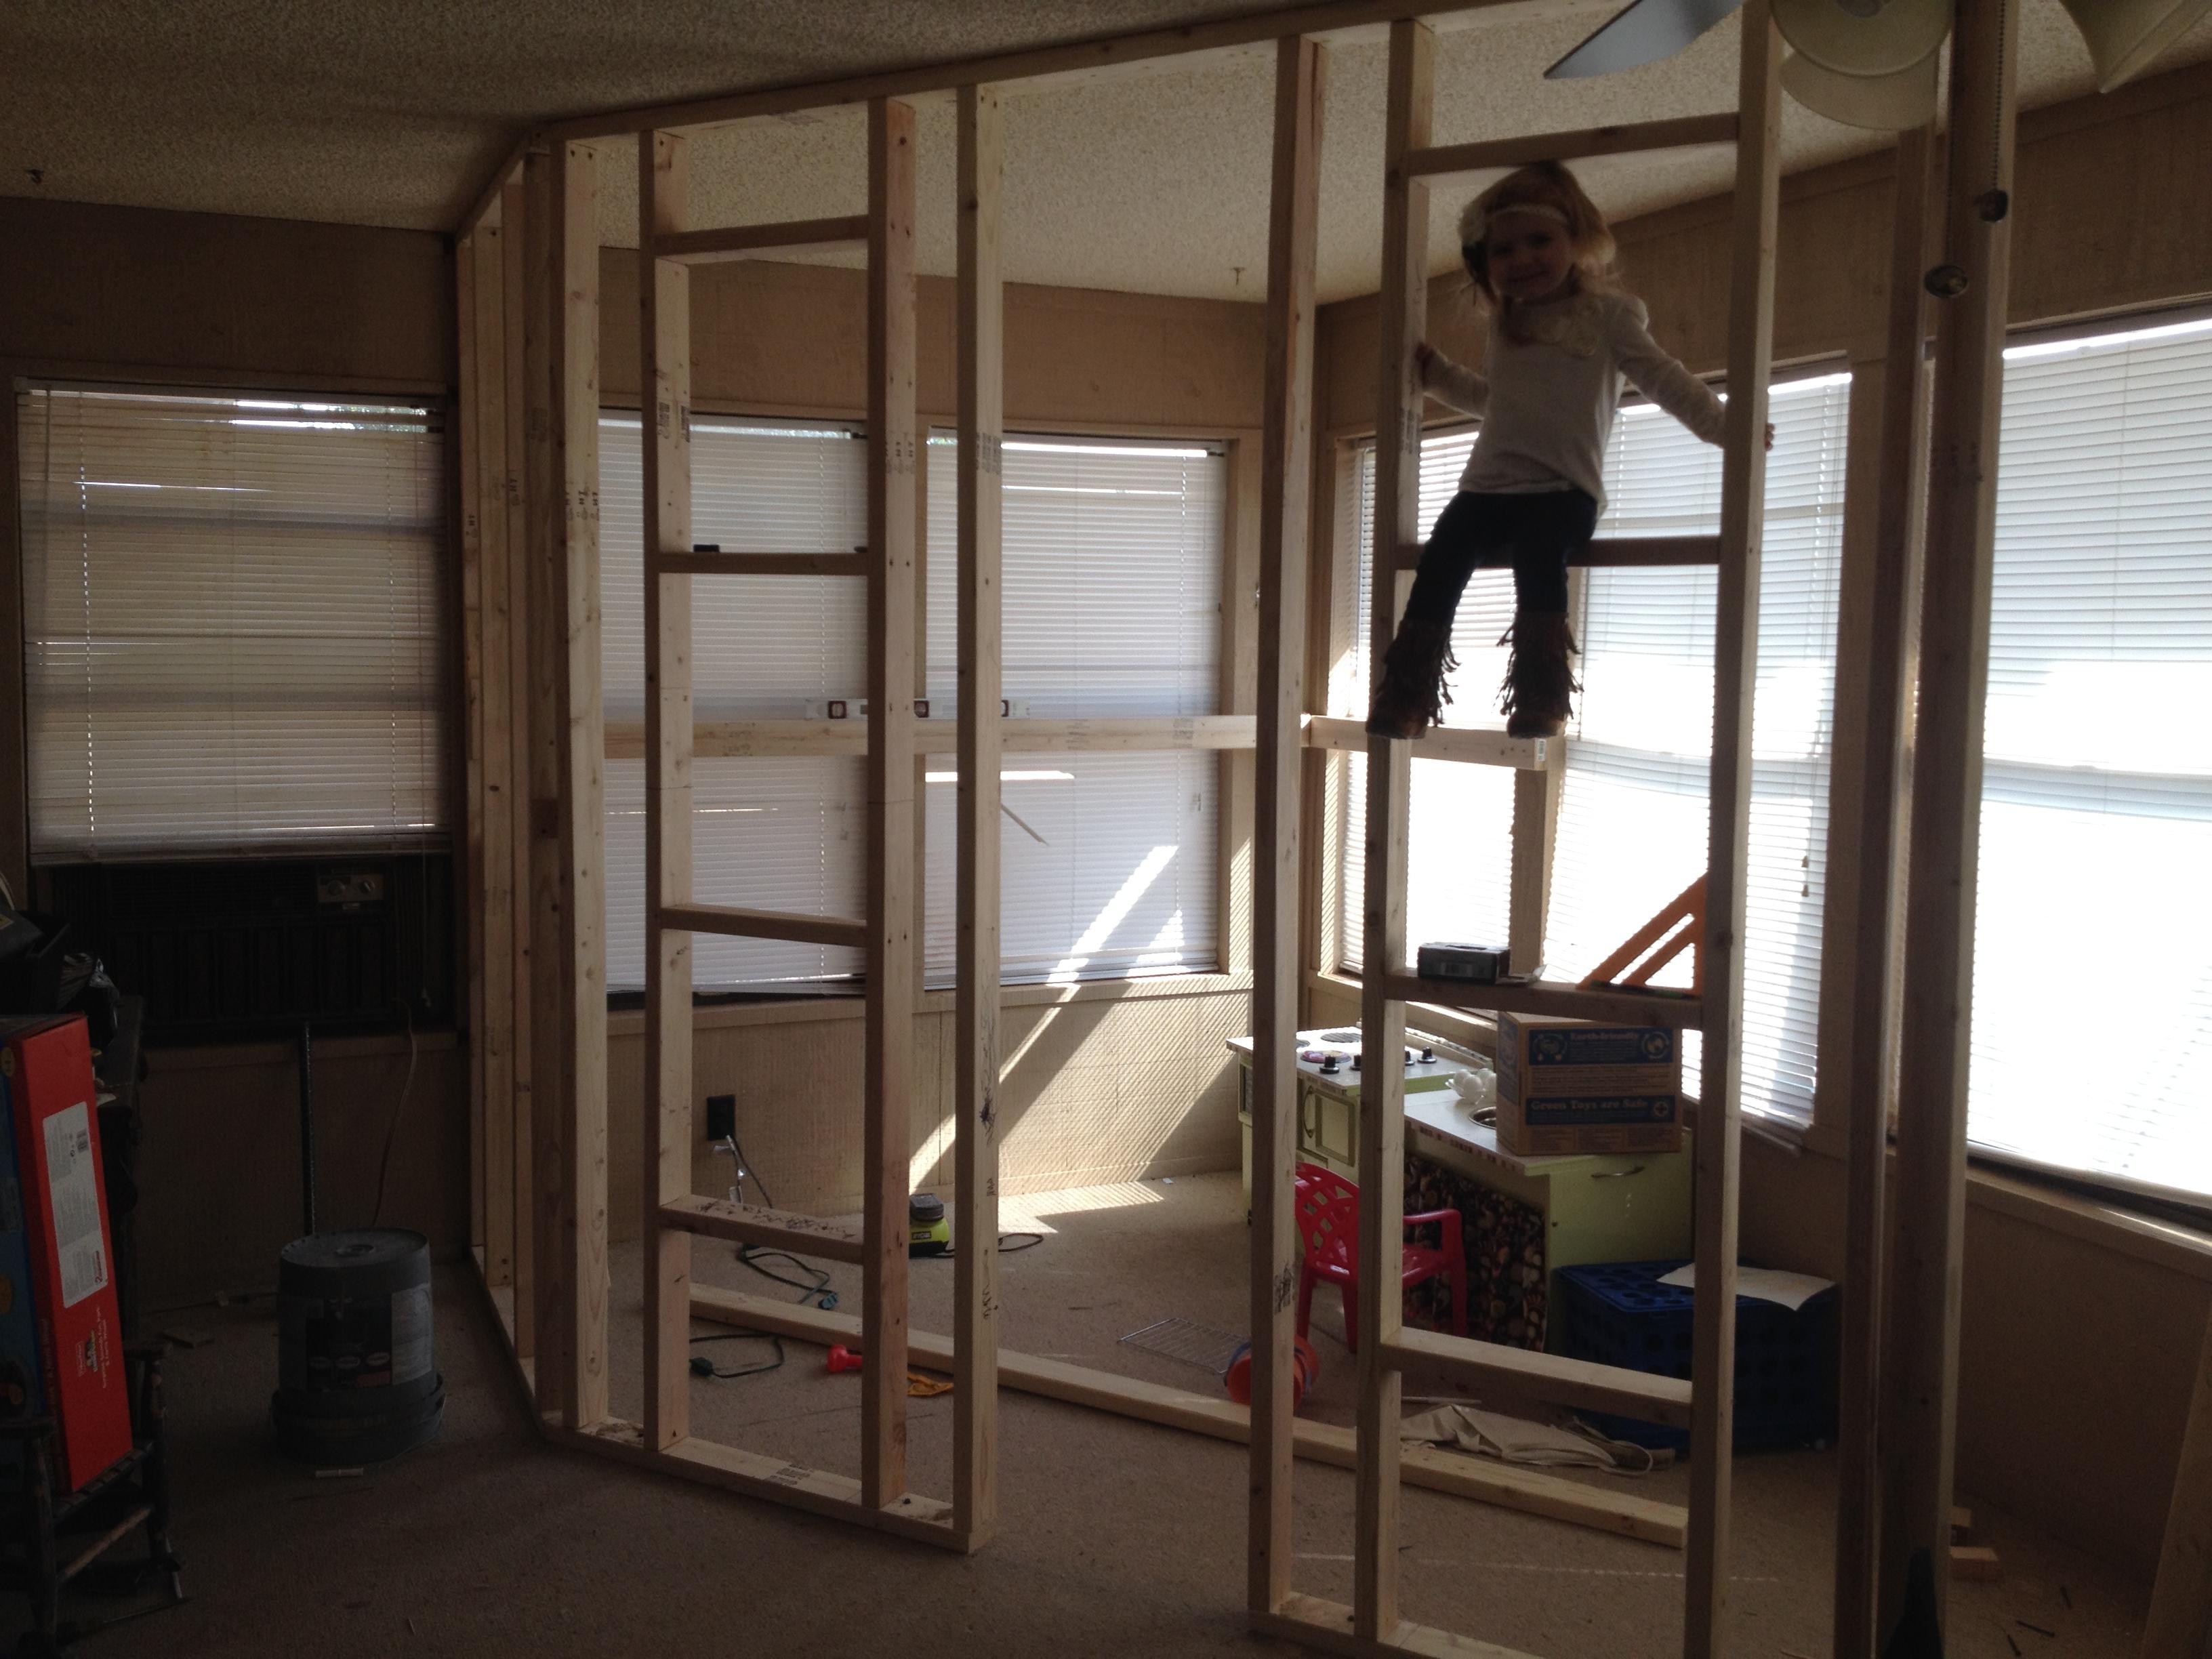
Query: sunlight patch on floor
{"type": "Point", "coordinates": [1032, 1208]}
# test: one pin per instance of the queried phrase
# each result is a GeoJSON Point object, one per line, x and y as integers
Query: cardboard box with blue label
{"type": "Point", "coordinates": [1569, 1086]}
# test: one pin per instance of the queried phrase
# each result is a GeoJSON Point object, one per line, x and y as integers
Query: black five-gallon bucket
{"type": "Point", "coordinates": [357, 1381]}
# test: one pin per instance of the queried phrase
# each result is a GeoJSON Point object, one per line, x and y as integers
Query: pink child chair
{"type": "Point", "coordinates": [1328, 1222]}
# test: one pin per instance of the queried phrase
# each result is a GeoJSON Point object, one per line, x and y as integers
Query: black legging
{"type": "Point", "coordinates": [1533, 533]}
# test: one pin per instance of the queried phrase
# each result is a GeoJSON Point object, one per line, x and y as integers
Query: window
{"type": "Point", "coordinates": [1113, 554]}
{"type": "Point", "coordinates": [1632, 822]}
{"type": "Point", "coordinates": [2092, 961]}
{"type": "Point", "coordinates": [1455, 807]}
{"type": "Point", "coordinates": [1112, 591]}
{"type": "Point", "coordinates": [234, 623]}
{"type": "Point", "coordinates": [783, 834]}
{"type": "Point", "coordinates": [1632, 814]}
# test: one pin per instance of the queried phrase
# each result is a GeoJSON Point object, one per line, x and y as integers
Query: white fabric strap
{"type": "Point", "coordinates": [1474, 224]}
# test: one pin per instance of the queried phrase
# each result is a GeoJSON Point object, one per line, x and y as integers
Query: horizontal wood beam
{"type": "Point", "coordinates": [707, 248]}
{"type": "Point", "coordinates": [1553, 1378]}
{"type": "Point", "coordinates": [1470, 745]}
{"type": "Point", "coordinates": [751, 1224]}
{"type": "Point", "coordinates": [1622, 1007]}
{"type": "Point", "coordinates": [1530, 1491]}
{"type": "Point", "coordinates": [1496, 155]}
{"type": "Point", "coordinates": [760, 564]}
{"type": "Point", "coordinates": [795, 926]}
{"type": "Point", "coordinates": [1617, 552]}
{"type": "Point", "coordinates": [1610, 552]}
{"type": "Point", "coordinates": [1337, 21]}
{"type": "Point", "coordinates": [1312, 1622]}
{"type": "Point", "coordinates": [1131, 734]}
{"type": "Point", "coordinates": [923, 1520]}
{"type": "Point", "coordinates": [756, 739]}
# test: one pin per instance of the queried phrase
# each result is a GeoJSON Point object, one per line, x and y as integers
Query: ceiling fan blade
{"type": "Point", "coordinates": [1646, 31]}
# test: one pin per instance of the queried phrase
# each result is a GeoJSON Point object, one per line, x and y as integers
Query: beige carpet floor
{"type": "Point", "coordinates": [1118, 1538]}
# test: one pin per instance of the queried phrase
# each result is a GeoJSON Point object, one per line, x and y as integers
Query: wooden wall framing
{"type": "Point", "coordinates": [1373, 1623]}
{"type": "Point", "coordinates": [1920, 1353]}
{"type": "Point", "coordinates": [530, 282]}
{"type": "Point", "coordinates": [529, 286]}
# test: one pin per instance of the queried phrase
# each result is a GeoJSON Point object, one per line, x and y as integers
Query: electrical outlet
{"type": "Point", "coordinates": [721, 1117]}
{"type": "Point", "coordinates": [349, 887]}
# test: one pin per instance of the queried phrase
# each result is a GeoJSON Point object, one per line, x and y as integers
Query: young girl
{"type": "Point", "coordinates": [1562, 334]}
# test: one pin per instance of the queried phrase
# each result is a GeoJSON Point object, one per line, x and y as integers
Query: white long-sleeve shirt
{"type": "Point", "coordinates": [1547, 404]}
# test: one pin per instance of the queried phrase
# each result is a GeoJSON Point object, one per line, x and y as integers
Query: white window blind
{"type": "Point", "coordinates": [2092, 961]}
{"type": "Point", "coordinates": [234, 623]}
{"type": "Point", "coordinates": [1632, 822]}
{"type": "Point", "coordinates": [1633, 826]}
{"type": "Point", "coordinates": [1111, 589]}
{"type": "Point", "coordinates": [771, 834]}
{"type": "Point", "coordinates": [1460, 851]}
{"type": "Point", "coordinates": [1112, 594]}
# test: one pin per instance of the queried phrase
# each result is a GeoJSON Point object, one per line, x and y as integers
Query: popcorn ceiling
{"type": "Point", "coordinates": [1151, 182]}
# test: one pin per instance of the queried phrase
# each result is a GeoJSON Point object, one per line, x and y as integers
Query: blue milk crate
{"type": "Point", "coordinates": [1619, 1314]}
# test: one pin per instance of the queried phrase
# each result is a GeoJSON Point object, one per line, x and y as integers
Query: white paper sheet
{"type": "Point", "coordinates": [1792, 1290]}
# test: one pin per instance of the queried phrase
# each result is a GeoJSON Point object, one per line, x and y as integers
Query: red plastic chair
{"type": "Point", "coordinates": [1328, 1222]}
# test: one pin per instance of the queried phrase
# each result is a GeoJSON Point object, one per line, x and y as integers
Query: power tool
{"type": "Point", "coordinates": [928, 1231]}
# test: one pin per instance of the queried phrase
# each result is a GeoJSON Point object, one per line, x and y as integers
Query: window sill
{"type": "Point", "coordinates": [1453, 1024]}
{"type": "Point", "coordinates": [2107, 1226]}
{"type": "Point", "coordinates": [630, 1021]}
{"type": "Point", "coordinates": [285, 1051]}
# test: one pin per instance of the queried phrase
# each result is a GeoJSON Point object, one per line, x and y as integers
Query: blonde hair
{"type": "Point", "coordinates": [1550, 190]}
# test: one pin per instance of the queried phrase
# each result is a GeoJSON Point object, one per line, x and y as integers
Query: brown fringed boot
{"type": "Point", "coordinates": [1540, 684]}
{"type": "Point", "coordinates": [1413, 694]}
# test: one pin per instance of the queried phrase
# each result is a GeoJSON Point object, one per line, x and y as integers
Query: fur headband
{"type": "Point", "coordinates": [1474, 222]}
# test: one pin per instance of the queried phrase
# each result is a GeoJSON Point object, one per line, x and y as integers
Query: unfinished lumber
{"type": "Point", "coordinates": [1535, 837]}
{"type": "Point", "coordinates": [582, 1180]}
{"type": "Point", "coordinates": [1285, 471]}
{"type": "Point", "coordinates": [1643, 552]}
{"type": "Point", "coordinates": [1553, 1378]}
{"type": "Point", "coordinates": [756, 1474]}
{"type": "Point", "coordinates": [1529, 1492]}
{"type": "Point", "coordinates": [1618, 552]}
{"type": "Point", "coordinates": [1404, 302]}
{"type": "Point", "coordinates": [1622, 1004]}
{"type": "Point", "coordinates": [1977, 1562]}
{"type": "Point", "coordinates": [753, 1224]}
{"type": "Point", "coordinates": [1498, 155]}
{"type": "Point", "coordinates": [551, 1113]}
{"type": "Point", "coordinates": [469, 362]}
{"type": "Point", "coordinates": [665, 342]}
{"type": "Point", "coordinates": [1735, 668]}
{"type": "Point", "coordinates": [1877, 621]}
{"type": "Point", "coordinates": [801, 926]}
{"type": "Point", "coordinates": [2181, 1622]}
{"type": "Point", "coordinates": [776, 242]}
{"type": "Point", "coordinates": [1333, 21]}
{"type": "Point", "coordinates": [1315, 1622]}
{"type": "Point", "coordinates": [1469, 745]}
{"type": "Point", "coordinates": [1921, 1356]}
{"type": "Point", "coordinates": [978, 967]}
{"type": "Point", "coordinates": [515, 1266]}
{"type": "Point", "coordinates": [487, 420]}
{"type": "Point", "coordinates": [887, 1074]}
{"type": "Point", "coordinates": [1679, 926]}
{"type": "Point", "coordinates": [679, 562]}
{"type": "Point", "coordinates": [723, 739]}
